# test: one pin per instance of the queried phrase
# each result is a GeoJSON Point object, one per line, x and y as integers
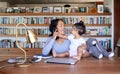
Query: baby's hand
{"type": "Point", "coordinates": [76, 57]}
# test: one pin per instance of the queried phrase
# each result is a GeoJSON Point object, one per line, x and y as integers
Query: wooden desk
{"type": "Point", "coordinates": [85, 66]}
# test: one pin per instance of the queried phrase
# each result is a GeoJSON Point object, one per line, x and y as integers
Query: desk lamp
{"type": "Point", "coordinates": [31, 38]}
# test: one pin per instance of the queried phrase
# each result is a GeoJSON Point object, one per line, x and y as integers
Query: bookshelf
{"type": "Point", "coordinates": [101, 24]}
{"type": "Point", "coordinates": [55, 14]}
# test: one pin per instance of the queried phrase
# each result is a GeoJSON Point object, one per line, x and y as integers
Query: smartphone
{"type": "Point", "coordinates": [56, 30]}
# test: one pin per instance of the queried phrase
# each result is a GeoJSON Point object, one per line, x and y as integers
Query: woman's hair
{"type": "Point", "coordinates": [80, 27]}
{"type": "Point", "coordinates": [53, 25]}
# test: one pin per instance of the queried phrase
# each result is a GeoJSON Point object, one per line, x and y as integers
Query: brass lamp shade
{"type": "Point", "coordinates": [31, 38]}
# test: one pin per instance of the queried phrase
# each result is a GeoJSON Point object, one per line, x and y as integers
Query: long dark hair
{"type": "Point", "coordinates": [53, 26]}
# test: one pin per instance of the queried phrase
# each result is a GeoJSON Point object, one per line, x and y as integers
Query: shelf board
{"type": "Point", "coordinates": [48, 35]}
{"type": "Point", "coordinates": [11, 35]}
{"type": "Point", "coordinates": [100, 36]}
{"type": "Point", "coordinates": [46, 25]}
{"type": "Point", "coordinates": [98, 25]}
{"type": "Point", "coordinates": [21, 35]}
{"type": "Point", "coordinates": [8, 49]}
{"type": "Point", "coordinates": [54, 14]}
{"type": "Point", "coordinates": [91, 25]}
{"type": "Point", "coordinates": [23, 25]}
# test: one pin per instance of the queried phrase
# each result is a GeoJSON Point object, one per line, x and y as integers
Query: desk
{"type": "Point", "coordinates": [84, 66]}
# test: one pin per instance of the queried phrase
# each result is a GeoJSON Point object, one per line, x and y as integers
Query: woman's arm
{"type": "Point", "coordinates": [65, 54]}
{"type": "Point", "coordinates": [48, 46]}
{"type": "Point", "coordinates": [49, 43]}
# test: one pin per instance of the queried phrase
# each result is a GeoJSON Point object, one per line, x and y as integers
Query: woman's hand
{"type": "Point", "coordinates": [55, 34]}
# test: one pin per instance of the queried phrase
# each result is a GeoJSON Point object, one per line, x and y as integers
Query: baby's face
{"type": "Point", "coordinates": [74, 30]}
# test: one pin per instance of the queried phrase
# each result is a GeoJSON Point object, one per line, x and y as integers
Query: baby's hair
{"type": "Point", "coordinates": [80, 27]}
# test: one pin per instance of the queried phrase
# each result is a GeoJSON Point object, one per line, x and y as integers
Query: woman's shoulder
{"type": "Point", "coordinates": [50, 38]}
{"type": "Point", "coordinates": [67, 40]}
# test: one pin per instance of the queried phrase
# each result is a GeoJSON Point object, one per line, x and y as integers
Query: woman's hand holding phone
{"type": "Point", "coordinates": [55, 34]}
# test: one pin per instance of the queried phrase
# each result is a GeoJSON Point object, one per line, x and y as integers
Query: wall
{"type": "Point", "coordinates": [4, 4]}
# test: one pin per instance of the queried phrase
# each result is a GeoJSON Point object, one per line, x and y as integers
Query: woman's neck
{"type": "Point", "coordinates": [60, 40]}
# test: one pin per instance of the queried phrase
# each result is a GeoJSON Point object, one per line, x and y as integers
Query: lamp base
{"type": "Point", "coordinates": [18, 61]}
{"type": "Point", "coordinates": [23, 65]}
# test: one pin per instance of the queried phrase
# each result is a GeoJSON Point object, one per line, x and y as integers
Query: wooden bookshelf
{"type": "Point", "coordinates": [10, 16]}
{"type": "Point", "coordinates": [54, 14]}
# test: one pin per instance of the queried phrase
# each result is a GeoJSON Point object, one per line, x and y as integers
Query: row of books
{"type": "Point", "coordinates": [45, 31]}
{"type": "Point", "coordinates": [22, 31]}
{"type": "Point", "coordinates": [7, 43]}
{"type": "Point", "coordinates": [99, 31]}
{"type": "Point", "coordinates": [92, 31]}
{"type": "Point", "coordinates": [47, 20]}
{"type": "Point", "coordinates": [106, 43]}
{"type": "Point", "coordinates": [50, 9]}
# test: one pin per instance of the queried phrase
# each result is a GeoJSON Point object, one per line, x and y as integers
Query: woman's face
{"type": "Point", "coordinates": [60, 27]}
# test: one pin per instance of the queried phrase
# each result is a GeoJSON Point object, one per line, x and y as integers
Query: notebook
{"type": "Point", "coordinates": [70, 61]}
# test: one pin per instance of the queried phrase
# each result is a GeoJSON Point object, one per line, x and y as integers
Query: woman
{"type": "Point", "coordinates": [55, 43]}
{"type": "Point", "coordinates": [59, 45]}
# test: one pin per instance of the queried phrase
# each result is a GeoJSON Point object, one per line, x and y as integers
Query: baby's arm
{"type": "Point", "coordinates": [80, 52]}
{"type": "Point", "coordinates": [83, 48]}
{"type": "Point", "coordinates": [63, 36]}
